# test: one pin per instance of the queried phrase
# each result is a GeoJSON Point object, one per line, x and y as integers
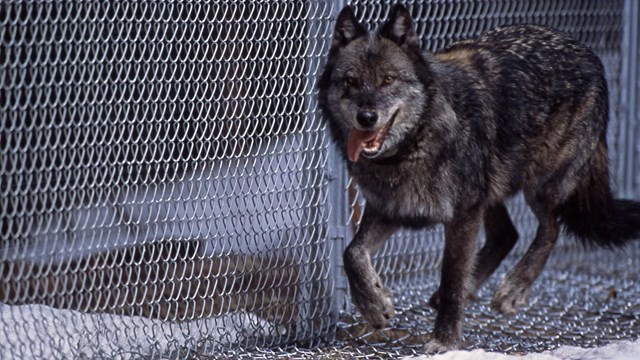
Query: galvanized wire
{"type": "Point", "coordinates": [163, 160]}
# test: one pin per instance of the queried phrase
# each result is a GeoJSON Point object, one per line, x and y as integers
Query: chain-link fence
{"type": "Point", "coordinates": [168, 189]}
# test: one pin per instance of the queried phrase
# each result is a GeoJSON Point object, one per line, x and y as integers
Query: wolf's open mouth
{"type": "Point", "coordinates": [369, 142]}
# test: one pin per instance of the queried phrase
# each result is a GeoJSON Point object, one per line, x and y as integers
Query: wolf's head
{"type": "Point", "coordinates": [372, 89]}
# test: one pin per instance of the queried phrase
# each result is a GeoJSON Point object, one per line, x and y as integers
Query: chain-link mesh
{"type": "Point", "coordinates": [163, 163]}
{"type": "Point", "coordinates": [165, 183]}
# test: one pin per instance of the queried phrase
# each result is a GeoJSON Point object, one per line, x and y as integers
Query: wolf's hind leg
{"type": "Point", "coordinates": [560, 156]}
{"type": "Point", "coordinates": [367, 291]}
{"type": "Point", "coordinates": [515, 288]}
{"type": "Point", "coordinates": [501, 236]}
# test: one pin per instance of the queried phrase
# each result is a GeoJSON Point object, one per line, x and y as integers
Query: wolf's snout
{"type": "Point", "coordinates": [367, 118]}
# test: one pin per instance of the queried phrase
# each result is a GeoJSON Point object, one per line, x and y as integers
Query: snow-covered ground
{"type": "Point", "coordinates": [623, 350]}
{"type": "Point", "coordinates": [41, 332]}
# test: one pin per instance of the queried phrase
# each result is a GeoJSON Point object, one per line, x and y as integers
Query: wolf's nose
{"type": "Point", "coordinates": [367, 118]}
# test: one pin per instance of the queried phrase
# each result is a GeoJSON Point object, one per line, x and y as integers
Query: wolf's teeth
{"type": "Point", "coordinates": [372, 146]}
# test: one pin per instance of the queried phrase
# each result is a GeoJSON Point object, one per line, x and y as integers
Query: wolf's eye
{"type": "Point", "coordinates": [387, 80]}
{"type": "Point", "coordinates": [351, 81]}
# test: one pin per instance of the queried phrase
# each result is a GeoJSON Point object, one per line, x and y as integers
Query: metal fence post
{"type": "Point", "coordinates": [339, 234]}
{"type": "Point", "coordinates": [629, 99]}
{"type": "Point", "coordinates": [316, 316]}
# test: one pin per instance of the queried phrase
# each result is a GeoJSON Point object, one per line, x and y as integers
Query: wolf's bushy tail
{"type": "Point", "coordinates": [593, 215]}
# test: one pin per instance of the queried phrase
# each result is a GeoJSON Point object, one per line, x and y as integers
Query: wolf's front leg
{"type": "Point", "coordinates": [456, 280]}
{"type": "Point", "coordinates": [367, 291]}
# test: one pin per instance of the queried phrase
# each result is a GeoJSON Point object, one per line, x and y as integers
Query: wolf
{"type": "Point", "coordinates": [448, 137]}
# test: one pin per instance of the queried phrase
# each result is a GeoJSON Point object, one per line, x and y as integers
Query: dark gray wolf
{"type": "Point", "coordinates": [447, 137]}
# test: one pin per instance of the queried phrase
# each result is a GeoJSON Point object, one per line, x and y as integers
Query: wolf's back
{"type": "Point", "coordinates": [550, 104]}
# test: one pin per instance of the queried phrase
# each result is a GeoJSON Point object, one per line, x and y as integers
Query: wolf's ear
{"type": "Point", "coordinates": [347, 28]}
{"type": "Point", "coordinates": [399, 28]}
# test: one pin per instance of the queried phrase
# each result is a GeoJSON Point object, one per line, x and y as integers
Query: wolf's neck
{"type": "Point", "coordinates": [464, 87]}
{"type": "Point", "coordinates": [448, 79]}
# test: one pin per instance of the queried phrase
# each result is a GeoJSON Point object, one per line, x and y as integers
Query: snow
{"type": "Point", "coordinates": [622, 350]}
{"type": "Point", "coordinates": [42, 332]}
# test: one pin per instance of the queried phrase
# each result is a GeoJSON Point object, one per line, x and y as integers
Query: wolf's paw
{"type": "Point", "coordinates": [437, 347]}
{"type": "Point", "coordinates": [510, 296]}
{"type": "Point", "coordinates": [374, 302]}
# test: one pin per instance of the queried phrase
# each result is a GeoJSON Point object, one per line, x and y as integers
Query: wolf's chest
{"type": "Point", "coordinates": [407, 196]}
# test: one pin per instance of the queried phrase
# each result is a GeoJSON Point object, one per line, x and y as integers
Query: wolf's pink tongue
{"type": "Point", "coordinates": [356, 141]}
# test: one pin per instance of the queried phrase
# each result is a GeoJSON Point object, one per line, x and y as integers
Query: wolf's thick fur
{"type": "Point", "coordinates": [447, 137]}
